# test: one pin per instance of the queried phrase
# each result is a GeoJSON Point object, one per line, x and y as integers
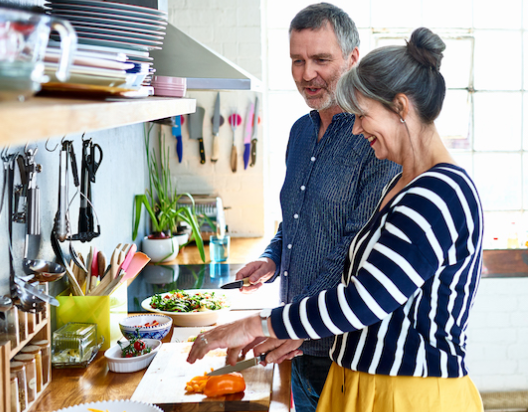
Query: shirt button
{"type": "Point", "coordinates": [296, 216]}
{"type": "Point", "coordinates": [303, 187]}
{"type": "Point", "coordinates": [312, 159]}
{"type": "Point", "coordinates": [285, 273]}
{"type": "Point", "coordinates": [289, 246]}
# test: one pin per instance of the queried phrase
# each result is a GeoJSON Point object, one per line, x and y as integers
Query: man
{"type": "Point", "coordinates": [333, 183]}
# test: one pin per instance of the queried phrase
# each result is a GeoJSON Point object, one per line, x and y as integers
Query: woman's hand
{"type": "Point", "coordinates": [235, 335]}
{"type": "Point", "coordinates": [279, 350]}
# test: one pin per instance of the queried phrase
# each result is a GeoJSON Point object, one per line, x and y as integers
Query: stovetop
{"type": "Point", "coordinates": [155, 279]}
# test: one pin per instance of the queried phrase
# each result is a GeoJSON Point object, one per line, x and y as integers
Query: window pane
{"type": "Point", "coordinates": [498, 227]}
{"type": "Point", "coordinates": [464, 160]}
{"type": "Point", "coordinates": [488, 136]}
{"type": "Point", "coordinates": [506, 15]}
{"type": "Point", "coordinates": [456, 64]}
{"type": "Point", "coordinates": [390, 13]}
{"type": "Point", "coordinates": [453, 124]}
{"type": "Point", "coordinates": [498, 60]}
{"type": "Point", "coordinates": [441, 14]}
{"type": "Point", "coordinates": [498, 180]}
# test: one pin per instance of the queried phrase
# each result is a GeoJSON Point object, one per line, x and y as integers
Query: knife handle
{"type": "Point", "coordinates": [179, 147]}
{"type": "Point", "coordinates": [253, 152]}
{"type": "Point", "coordinates": [246, 154]}
{"type": "Point", "coordinates": [214, 155]}
{"type": "Point", "coordinates": [234, 158]}
{"type": "Point", "coordinates": [202, 150]}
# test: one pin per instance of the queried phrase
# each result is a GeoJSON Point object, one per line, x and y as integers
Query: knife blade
{"type": "Point", "coordinates": [249, 131]}
{"type": "Point", "coordinates": [195, 129]}
{"type": "Point", "coordinates": [176, 132]}
{"type": "Point", "coordinates": [216, 128]}
{"type": "Point", "coordinates": [237, 284]}
{"type": "Point", "coordinates": [240, 366]}
{"type": "Point", "coordinates": [255, 135]}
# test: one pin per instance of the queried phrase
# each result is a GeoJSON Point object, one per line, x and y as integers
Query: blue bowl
{"type": "Point", "coordinates": [132, 325]}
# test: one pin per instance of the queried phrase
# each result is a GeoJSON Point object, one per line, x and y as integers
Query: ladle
{"type": "Point", "coordinates": [42, 270]}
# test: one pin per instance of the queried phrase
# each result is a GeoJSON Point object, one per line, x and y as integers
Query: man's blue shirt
{"type": "Point", "coordinates": [330, 190]}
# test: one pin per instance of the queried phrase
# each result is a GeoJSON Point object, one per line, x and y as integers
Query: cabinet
{"type": "Point", "coordinates": [41, 118]}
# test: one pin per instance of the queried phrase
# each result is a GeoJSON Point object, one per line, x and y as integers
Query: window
{"type": "Point", "coordinates": [482, 121]}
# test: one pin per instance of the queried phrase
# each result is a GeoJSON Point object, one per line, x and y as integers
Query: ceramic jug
{"type": "Point", "coordinates": [24, 36]}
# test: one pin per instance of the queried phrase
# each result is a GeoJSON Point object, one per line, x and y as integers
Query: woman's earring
{"type": "Point", "coordinates": [401, 120]}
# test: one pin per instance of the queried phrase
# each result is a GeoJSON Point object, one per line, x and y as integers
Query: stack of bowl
{"type": "Point", "coordinates": [169, 86]}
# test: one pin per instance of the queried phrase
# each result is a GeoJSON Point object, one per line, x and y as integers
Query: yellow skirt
{"type": "Point", "coordinates": [351, 391]}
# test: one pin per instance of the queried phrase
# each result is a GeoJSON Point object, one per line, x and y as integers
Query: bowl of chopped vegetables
{"type": "Point", "coordinates": [147, 326]}
{"type": "Point", "coordinates": [188, 308]}
{"type": "Point", "coordinates": [132, 355]}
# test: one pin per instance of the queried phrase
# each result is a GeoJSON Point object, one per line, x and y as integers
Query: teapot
{"type": "Point", "coordinates": [24, 36]}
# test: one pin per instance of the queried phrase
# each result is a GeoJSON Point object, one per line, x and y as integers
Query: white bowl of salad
{"type": "Point", "coordinates": [189, 308]}
{"type": "Point", "coordinates": [133, 355]}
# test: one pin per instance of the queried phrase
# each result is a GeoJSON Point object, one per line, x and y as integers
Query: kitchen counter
{"type": "Point", "coordinates": [75, 386]}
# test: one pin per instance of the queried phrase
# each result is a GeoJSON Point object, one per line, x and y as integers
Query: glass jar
{"type": "Point", "coordinates": [31, 374]}
{"type": "Point", "coordinates": [19, 370]}
{"type": "Point", "coordinates": [15, 403]}
{"type": "Point", "coordinates": [22, 326]}
{"type": "Point", "coordinates": [35, 350]}
{"type": "Point", "coordinates": [45, 355]}
{"type": "Point", "coordinates": [12, 326]}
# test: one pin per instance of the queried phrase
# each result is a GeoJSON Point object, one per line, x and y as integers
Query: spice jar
{"type": "Point", "coordinates": [19, 370]}
{"type": "Point", "coordinates": [45, 355]}
{"type": "Point", "coordinates": [12, 326]}
{"type": "Point", "coordinates": [31, 374]}
{"type": "Point", "coordinates": [35, 350]}
{"type": "Point", "coordinates": [15, 404]}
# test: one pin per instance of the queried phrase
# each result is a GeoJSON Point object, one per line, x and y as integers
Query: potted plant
{"type": "Point", "coordinates": [161, 203]}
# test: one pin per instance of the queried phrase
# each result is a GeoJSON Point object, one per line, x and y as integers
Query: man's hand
{"type": "Point", "coordinates": [279, 350]}
{"type": "Point", "coordinates": [258, 272]}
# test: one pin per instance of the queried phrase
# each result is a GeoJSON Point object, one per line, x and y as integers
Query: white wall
{"type": "Point", "coordinates": [233, 29]}
{"type": "Point", "coordinates": [498, 335]}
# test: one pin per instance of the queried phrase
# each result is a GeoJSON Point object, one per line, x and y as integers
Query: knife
{"type": "Point", "coordinates": [237, 284]}
{"type": "Point", "coordinates": [176, 132]}
{"type": "Point", "coordinates": [216, 127]}
{"type": "Point", "coordinates": [195, 129]}
{"type": "Point", "coordinates": [247, 138]}
{"type": "Point", "coordinates": [255, 134]}
{"type": "Point", "coordinates": [240, 366]}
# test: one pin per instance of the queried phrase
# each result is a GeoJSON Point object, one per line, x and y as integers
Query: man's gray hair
{"type": "Point", "coordinates": [318, 15]}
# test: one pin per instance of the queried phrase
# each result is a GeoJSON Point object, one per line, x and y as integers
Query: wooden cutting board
{"type": "Point", "coordinates": [165, 379]}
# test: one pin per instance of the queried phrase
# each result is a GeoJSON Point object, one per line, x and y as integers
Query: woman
{"type": "Point", "coordinates": [401, 312]}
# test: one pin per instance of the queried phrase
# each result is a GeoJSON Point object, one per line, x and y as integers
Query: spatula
{"type": "Point", "coordinates": [195, 129]}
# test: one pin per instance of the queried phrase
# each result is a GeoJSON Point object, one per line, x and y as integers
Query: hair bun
{"type": "Point", "coordinates": [426, 48]}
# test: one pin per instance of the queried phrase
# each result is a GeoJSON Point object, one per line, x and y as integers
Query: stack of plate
{"type": "Point", "coordinates": [112, 27]}
{"type": "Point", "coordinates": [169, 86]}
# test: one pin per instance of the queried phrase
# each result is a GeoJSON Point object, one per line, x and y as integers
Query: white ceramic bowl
{"type": "Point", "coordinates": [190, 319]}
{"type": "Point", "coordinates": [114, 406]}
{"type": "Point", "coordinates": [129, 325]}
{"type": "Point", "coordinates": [126, 365]}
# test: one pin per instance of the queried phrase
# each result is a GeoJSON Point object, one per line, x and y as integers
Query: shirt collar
{"type": "Point", "coordinates": [316, 119]}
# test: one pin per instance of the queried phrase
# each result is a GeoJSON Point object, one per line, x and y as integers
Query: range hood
{"type": "Point", "coordinates": [204, 69]}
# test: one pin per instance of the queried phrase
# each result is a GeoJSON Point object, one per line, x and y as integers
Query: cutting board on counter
{"type": "Point", "coordinates": [164, 383]}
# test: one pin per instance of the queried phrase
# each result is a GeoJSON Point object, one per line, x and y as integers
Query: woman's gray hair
{"type": "Point", "coordinates": [412, 70]}
{"type": "Point", "coordinates": [318, 15]}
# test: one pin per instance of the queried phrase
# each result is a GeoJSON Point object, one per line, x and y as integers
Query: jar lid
{"type": "Point", "coordinates": [26, 357]}
{"type": "Point", "coordinates": [16, 366]}
{"type": "Point", "coordinates": [43, 342]}
{"type": "Point", "coordinates": [30, 349]}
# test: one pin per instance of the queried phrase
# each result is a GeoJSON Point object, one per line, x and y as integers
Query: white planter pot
{"type": "Point", "coordinates": [182, 238]}
{"type": "Point", "coordinates": [160, 250]}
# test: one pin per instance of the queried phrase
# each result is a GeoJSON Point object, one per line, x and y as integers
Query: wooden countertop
{"type": "Point", "coordinates": [95, 383]}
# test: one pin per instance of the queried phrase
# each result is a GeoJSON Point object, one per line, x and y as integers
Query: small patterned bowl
{"type": "Point", "coordinates": [129, 325]}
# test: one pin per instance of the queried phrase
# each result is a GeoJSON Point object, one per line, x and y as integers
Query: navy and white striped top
{"type": "Point", "coordinates": [409, 283]}
{"type": "Point", "coordinates": [330, 190]}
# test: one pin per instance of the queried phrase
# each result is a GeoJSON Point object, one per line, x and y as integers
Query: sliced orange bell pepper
{"type": "Point", "coordinates": [224, 384]}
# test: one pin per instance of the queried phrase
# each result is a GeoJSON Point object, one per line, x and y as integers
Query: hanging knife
{"type": "Point", "coordinates": [176, 132]}
{"type": "Point", "coordinates": [247, 138]}
{"type": "Point", "coordinates": [255, 134]}
{"type": "Point", "coordinates": [216, 127]}
{"type": "Point", "coordinates": [195, 130]}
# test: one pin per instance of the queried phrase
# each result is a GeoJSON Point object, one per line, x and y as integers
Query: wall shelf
{"type": "Point", "coordinates": [40, 117]}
